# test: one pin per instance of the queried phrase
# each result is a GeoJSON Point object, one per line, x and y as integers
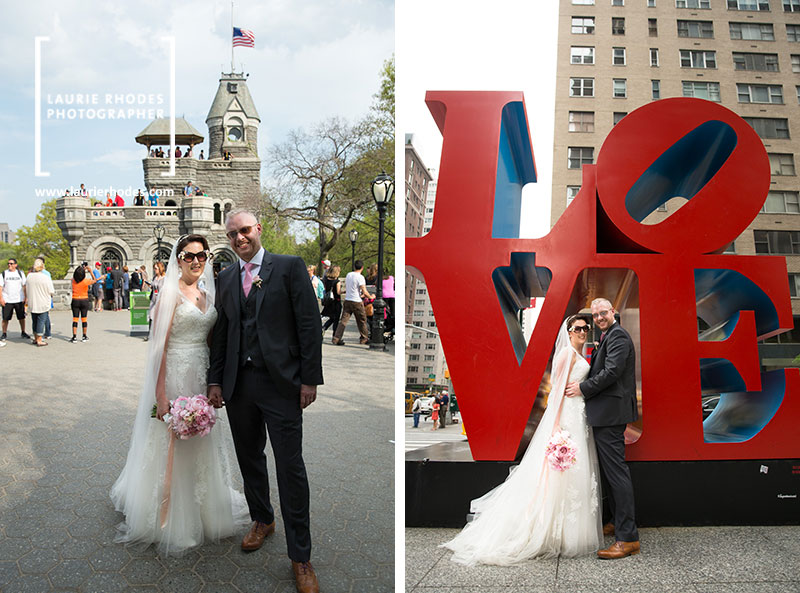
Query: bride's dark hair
{"type": "Point", "coordinates": [579, 316]}
{"type": "Point", "coordinates": [186, 239]}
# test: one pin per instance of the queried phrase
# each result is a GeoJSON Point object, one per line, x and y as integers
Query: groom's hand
{"type": "Point", "coordinates": [215, 395]}
{"type": "Point", "coordinates": [573, 390]}
{"type": "Point", "coordinates": [308, 393]}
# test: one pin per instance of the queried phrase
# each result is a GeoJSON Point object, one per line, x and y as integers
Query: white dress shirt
{"type": "Point", "coordinates": [257, 258]}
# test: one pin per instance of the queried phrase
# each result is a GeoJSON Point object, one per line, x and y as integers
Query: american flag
{"type": "Point", "coordinates": [243, 38]}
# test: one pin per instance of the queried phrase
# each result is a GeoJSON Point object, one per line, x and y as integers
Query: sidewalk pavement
{"type": "Point", "coordinates": [672, 560]}
{"type": "Point", "coordinates": [67, 413]}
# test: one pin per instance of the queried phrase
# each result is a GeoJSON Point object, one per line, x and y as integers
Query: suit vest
{"type": "Point", "coordinates": [248, 330]}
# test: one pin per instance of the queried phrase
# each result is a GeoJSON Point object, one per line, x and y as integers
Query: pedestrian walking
{"type": "Point", "coordinates": [40, 292]}
{"type": "Point", "coordinates": [82, 280]}
{"type": "Point", "coordinates": [355, 289]}
{"type": "Point", "coordinates": [332, 302]}
{"type": "Point", "coordinates": [416, 410]}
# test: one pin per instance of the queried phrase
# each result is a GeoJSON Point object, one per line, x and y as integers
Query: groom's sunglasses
{"type": "Point", "coordinates": [188, 256]}
{"type": "Point", "coordinates": [580, 328]}
{"type": "Point", "coordinates": [245, 230]}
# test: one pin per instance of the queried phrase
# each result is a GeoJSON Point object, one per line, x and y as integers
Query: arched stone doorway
{"type": "Point", "coordinates": [111, 256]}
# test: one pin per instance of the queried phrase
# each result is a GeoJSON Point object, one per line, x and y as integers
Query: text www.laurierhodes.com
{"type": "Point", "coordinates": [97, 192]}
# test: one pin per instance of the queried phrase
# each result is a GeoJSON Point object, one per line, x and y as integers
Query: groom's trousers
{"type": "Point", "coordinates": [257, 408]}
{"type": "Point", "coordinates": [617, 485]}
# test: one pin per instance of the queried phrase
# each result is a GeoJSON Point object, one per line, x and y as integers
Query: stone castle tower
{"type": "Point", "coordinates": [125, 235]}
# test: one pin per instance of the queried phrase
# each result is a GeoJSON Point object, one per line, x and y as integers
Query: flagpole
{"type": "Point", "coordinates": [232, 68]}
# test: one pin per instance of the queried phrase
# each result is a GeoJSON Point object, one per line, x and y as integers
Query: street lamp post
{"type": "Point", "coordinates": [382, 190]}
{"type": "Point", "coordinates": [353, 238]}
{"type": "Point", "coordinates": [159, 231]}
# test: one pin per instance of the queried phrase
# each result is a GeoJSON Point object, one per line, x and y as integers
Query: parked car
{"type": "Point", "coordinates": [409, 400]}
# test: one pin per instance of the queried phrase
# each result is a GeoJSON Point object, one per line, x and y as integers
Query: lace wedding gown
{"type": "Point", "coordinates": [538, 511]}
{"type": "Point", "coordinates": [203, 504]}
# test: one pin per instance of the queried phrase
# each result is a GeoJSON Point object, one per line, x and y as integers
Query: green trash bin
{"type": "Point", "coordinates": [140, 305]}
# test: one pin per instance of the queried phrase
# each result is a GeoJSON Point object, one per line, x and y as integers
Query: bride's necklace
{"type": "Point", "coordinates": [196, 297]}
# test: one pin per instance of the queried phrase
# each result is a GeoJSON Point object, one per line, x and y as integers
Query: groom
{"type": "Point", "coordinates": [266, 363]}
{"type": "Point", "coordinates": [610, 395]}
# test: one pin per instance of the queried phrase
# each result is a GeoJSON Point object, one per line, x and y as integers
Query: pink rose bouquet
{"type": "Point", "coordinates": [190, 416]}
{"type": "Point", "coordinates": [561, 451]}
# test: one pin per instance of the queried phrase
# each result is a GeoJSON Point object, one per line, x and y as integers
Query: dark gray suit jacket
{"type": "Point", "coordinates": [288, 322]}
{"type": "Point", "coordinates": [610, 390]}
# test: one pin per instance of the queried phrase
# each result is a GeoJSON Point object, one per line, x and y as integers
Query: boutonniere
{"type": "Point", "coordinates": [257, 281]}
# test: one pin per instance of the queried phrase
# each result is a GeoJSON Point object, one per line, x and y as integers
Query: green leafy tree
{"type": "Point", "coordinates": [44, 237]}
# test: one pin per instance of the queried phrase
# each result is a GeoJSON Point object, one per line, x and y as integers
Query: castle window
{"type": "Point", "coordinates": [235, 130]}
{"type": "Point", "coordinates": [217, 214]}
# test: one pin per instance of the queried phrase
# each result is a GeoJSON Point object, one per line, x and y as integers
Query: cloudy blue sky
{"type": "Point", "coordinates": [312, 60]}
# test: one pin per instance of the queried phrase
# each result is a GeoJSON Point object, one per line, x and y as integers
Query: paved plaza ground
{"type": "Point", "coordinates": [65, 420]}
{"type": "Point", "coordinates": [673, 560]}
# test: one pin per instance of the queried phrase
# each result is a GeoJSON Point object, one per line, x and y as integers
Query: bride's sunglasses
{"type": "Point", "coordinates": [580, 328]}
{"type": "Point", "coordinates": [188, 256]}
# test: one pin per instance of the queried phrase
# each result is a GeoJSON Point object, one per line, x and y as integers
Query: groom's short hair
{"type": "Point", "coordinates": [602, 301]}
{"type": "Point", "coordinates": [233, 213]}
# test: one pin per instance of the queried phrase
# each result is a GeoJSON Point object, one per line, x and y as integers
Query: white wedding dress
{"type": "Point", "coordinates": [538, 511]}
{"type": "Point", "coordinates": [203, 504]}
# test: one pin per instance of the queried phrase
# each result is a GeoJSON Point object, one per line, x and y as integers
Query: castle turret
{"type": "Point", "coordinates": [233, 120]}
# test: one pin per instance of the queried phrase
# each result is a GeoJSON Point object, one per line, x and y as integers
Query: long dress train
{"type": "Point", "coordinates": [539, 511]}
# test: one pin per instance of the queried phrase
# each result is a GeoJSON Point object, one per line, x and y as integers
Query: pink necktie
{"type": "Point", "coordinates": [247, 283]}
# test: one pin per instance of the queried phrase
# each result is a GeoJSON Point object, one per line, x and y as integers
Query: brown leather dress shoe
{"type": "Point", "coordinates": [255, 538]}
{"type": "Point", "coordinates": [608, 529]}
{"type": "Point", "coordinates": [619, 550]}
{"type": "Point", "coordinates": [305, 577]}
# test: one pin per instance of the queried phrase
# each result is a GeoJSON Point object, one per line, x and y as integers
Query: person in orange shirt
{"type": "Point", "coordinates": [82, 279]}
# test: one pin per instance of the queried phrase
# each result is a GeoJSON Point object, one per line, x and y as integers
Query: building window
{"type": "Point", "coordinates": [422, 291]}
{"type": "Point", "coordinates": [731, 248]}
{"type": "Point", "coordinates": [581, 87]}
{"type": "Point", "coordinates": [797, 88]}
{"type": "Point", "coordinates": [572, 191]}
{"type": "Point", "coordinates": [752, 31]}
{"type": "Point", "coordinates": [753, 61]}
{"type": "Point", "coordinates": [413, 369]}
{"type": "Point", "coordinates": [581, 121]}
{"type": "Point", "coordinates": [791, 5]}
{"type": "Point", "coordinates": [618, 26]}
{"type": "Point", "coordinates": [584, 2]}
{"type": "Point", "coordinates": [703, 4]}
{"type": "Point", "coordinates": [697, 29]}
{"type": "Point", "coordinates": [769, 127]}
{"type": "Point", "coordinates": [780, 202]}
{"type": "Point", "coordinates": [652, 27]}
{"type": "Point", "coordinates": [429, 358]}
{"type": "Point", "coordinates": [656, 88]}
{"type": "Point", "coordinates": [654, 57]}
{"type": "Point", "coordinates": [419, 301]}
{"type": "Point", "coordinates": [431, 324]}
{"type": "Point", "coordinates": [427, 369]}
{"type": "Point", "coordinates": [760, 93]}
{"type": "Point", "coordinates": [794, 285]}
{"type": "Point", "coordinates": [583, 25]}
{"type": "Point", "coordinates": [795, 62]}
{"type": "Point", "coordinates": [620, 88]}
{"type": "Point", "coordinates": [419, 313]}
{"type": "Point", "coordinates": [651, 3]}
{"type": "Point", "coordinates": [748, 4]}
{"type": "Point", "coordinates": [430, 346]}
{"type": "Point", "coordinates": [577, 156]}
{"type": "Point", "coordinates": [781, 163]}
{"type": "Point", "coordinates": [777, 242]}
{"type": "Point", "coordinates": [415, 346]}
{"type": "Point", "coordinates": [413, 357]}
{"type": "Point", "coordinates": [618, 115]}
{"type": "Point", "coordinates": [617, 2]}
{"type": "Point", "coordinates": [793, 32]}
{"type": "Point", "coordinates": [698, 59]}
{"type": "Point", "coordinates": [581, 55]}
{"type": "Point", "coordinates": [618, 56]}
{"type": "Point", "coordinates": [701, 90]}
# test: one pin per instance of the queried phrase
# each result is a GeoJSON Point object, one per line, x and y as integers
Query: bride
{"type": "Point", "coordinates": [178, 507]}
{"type": "Point", "coordinates": [539, 511]}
